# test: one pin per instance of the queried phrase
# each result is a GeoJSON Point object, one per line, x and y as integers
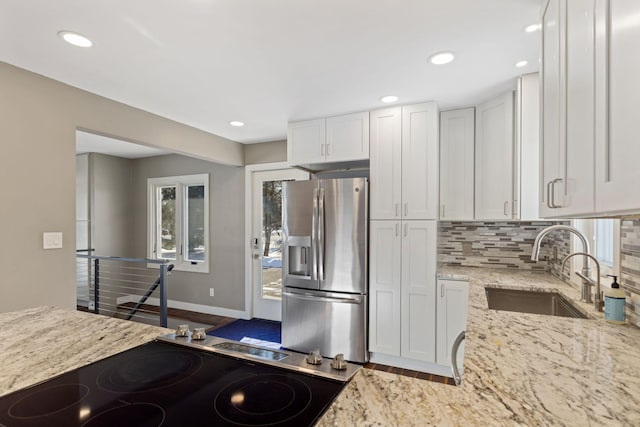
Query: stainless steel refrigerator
{"type": "Point", "coordinates": [324, 267]}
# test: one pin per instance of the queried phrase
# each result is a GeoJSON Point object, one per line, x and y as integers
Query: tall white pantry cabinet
{"type": "Point", "coordinates": [403, 236]}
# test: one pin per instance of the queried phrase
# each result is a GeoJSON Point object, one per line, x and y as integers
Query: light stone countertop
{"type": "Point", "coordinates": [39, 343]}
{"type": "Point", "coordinates": [519, 369]}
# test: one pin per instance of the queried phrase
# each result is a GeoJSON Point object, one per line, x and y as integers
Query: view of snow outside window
{"type": "Point", "coordinates": [193, 216]}
{"type": "Point", "coordinates": [272, 239]}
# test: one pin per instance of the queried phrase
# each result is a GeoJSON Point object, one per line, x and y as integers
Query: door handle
{"type": "Point", "coordinates": [406, 229]}
{"type": "Point", "coordinates": [316, 298]}
{"type": "Point", "coordinates": [321, 234]}
{"type": "Point", "coordinates": [397, 229]}
{"type": "Point", "coordinates": [406, 209]}
{"type": "Point", "coordinates": [454, 358]}
{"type": "Point", "coordinates": [397, 208]}
{"type": "Point", "coordinates": [442, 290]}
{"type": "Point", "coordinates": [504, 208]}
{"type": "Point", "coordinates": [314, 236]}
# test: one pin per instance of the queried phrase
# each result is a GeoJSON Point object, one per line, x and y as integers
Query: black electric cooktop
{"type": "Point", "coordinates": [161, 384]}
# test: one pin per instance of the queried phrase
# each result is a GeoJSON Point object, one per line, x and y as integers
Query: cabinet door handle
{"type": "Point", "coordinates": [406, 230]}
{"type": "Point", "coordinates": [551, 193]}
{"type": "Point", "coordinates": [454, 358]}
{"type": "Point", "coordinates": [397, 229]}
{"type": "Point", "coordinates": [406, 209]}
{"type": "Point", "coordinates": [504, 208]}
{"type": "Point", "coordinates": [442, 290]}
{"type": "Point", "coordinates": [397, 208]}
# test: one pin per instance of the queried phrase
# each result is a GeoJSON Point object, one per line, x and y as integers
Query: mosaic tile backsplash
{"type": "Point", "coordinates": [630, 267]}
{"type": "Point", "coordinates": [500, 245]}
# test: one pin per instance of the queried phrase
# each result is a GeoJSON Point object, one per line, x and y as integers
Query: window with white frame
{"type": "Point", "coordinates": [603, 237]}
{"type": "Point", "coordinates": [178, 218]}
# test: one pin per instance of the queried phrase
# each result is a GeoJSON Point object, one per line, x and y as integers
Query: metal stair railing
{"type": "Point", "coordinates": [117, 282]}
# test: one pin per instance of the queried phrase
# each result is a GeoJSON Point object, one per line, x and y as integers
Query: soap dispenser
{"type": "Point", "coordinates": [614, 303]}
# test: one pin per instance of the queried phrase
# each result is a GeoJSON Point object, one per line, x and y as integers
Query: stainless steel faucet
{"type": "Point", "coordinates": [598, 300]}
{"type": "Point", "coordinates": [586, 283]}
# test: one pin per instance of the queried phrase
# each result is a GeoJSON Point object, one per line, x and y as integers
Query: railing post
{"type": "Point", "coordinates": [96, 286]}
{"type": "Point", "coordinates": [163, 295]}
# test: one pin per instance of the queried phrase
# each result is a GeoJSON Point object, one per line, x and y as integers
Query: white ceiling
{"type": "Point", "coordinates": [268, 62]}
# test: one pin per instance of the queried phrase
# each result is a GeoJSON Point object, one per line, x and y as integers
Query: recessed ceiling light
{"type": "Point", "coordinates": [236, 123]}
{"type": "Point", "coordinates": [441, 58]}
{"type": "Point", "coordinates": [389, 99]}
{"type": "Point", "coordinates": [75, 39]}
{"type": "Point", "coordinates": [531, 28]}
{"type": "Point", "coordinates": [521, 64]}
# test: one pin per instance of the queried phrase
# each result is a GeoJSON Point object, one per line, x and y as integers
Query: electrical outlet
{"type": "Point", "coordinates": [211, 292]}
{"type": "Point", "coordinates": [92, 306]}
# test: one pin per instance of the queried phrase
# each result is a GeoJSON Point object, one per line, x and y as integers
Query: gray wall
{"type": "Point", "coordinates": [39, 119]}
{"type": "Point", "coordinates": [266, 152]}
{"type": "Point", "coordinates": [226, 228]}
{"type": "Point", "coordinates": [111, 205]}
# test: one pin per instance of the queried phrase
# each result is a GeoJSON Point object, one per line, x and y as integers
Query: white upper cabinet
{"type": "Point", "coordinates": [385, 194]}
{"type": "Point", "coordinates": [590, 121]}
{"type": "Point", "coordinates": [305, 142]}
{"type": "Point", "coordinates": [527, 165]}
{"type": "Point", "coordinates": [347, 137]}
{"type": "Point", "coordinates": [334, 139]}
{"type": "Point", "coordinates": [457, 139]}
{"type": "Point", "coordinates": [404, 162]}
{"type": "Point", "coordinates": [568, 99]}
{"type": "Point", "coordinates": [420, 161]}
{"type": "Point", "coordinates": [618, 90]}
{"type": "Point", "coordinates": [494, 159]}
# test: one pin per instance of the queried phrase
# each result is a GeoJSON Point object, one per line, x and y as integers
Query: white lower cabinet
{"type": "Point", "coordinates": [402, 290]}
{"type": "Point", "coordinates": [452, 303]}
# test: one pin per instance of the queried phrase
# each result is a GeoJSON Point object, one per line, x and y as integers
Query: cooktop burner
{"type": "Point", "coordinates": [150, 372]}
{"type": "Point", "coordinates": [163, 384]}
{"type": "Point", "coordinates": [135, 414]}
{"type": "Point", "coordinates": [243, 402]}
{"type": "Point", "coordinates": [48, 401]}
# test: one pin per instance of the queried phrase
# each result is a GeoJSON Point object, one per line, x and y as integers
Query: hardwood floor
{"type": "Point", "coordinates": [410, 373]}
{"type": "Point", "coordinates": [214, 321]}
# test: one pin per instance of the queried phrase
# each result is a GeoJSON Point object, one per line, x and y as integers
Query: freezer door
{"type": "Point", "coordinates": [299, 226]}
{"type": "Point", "coordinates": [342, 240]}
{"type": "Point", "coordinates": [326, 321]}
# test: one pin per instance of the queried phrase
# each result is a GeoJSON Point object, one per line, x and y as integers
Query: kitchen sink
{"type": "Point", "coordinates": [536, 302]}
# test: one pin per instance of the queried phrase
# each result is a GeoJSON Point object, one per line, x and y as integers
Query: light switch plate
{"type": "Point", "coordinates": [52, 240]}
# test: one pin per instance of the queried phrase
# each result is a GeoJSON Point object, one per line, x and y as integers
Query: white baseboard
{"type": "Point", "coordinates": [414, 365]}
{"type": "Point", "coordinates": [181, 305]}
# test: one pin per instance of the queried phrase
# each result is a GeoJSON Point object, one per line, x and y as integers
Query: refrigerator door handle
{"type": "Point", "coordinates": [315, 297]}
{"type": "Point", "coordinates": [321, 235]}
{"type": "Point", "coordinates": [314, 236]}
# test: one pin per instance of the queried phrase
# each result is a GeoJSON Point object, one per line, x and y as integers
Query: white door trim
{"type": "Point", "coordinates": [248, 226]}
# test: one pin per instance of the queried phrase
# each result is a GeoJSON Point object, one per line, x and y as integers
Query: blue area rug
{"type": "Point", "coordinates": [259, 329]}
